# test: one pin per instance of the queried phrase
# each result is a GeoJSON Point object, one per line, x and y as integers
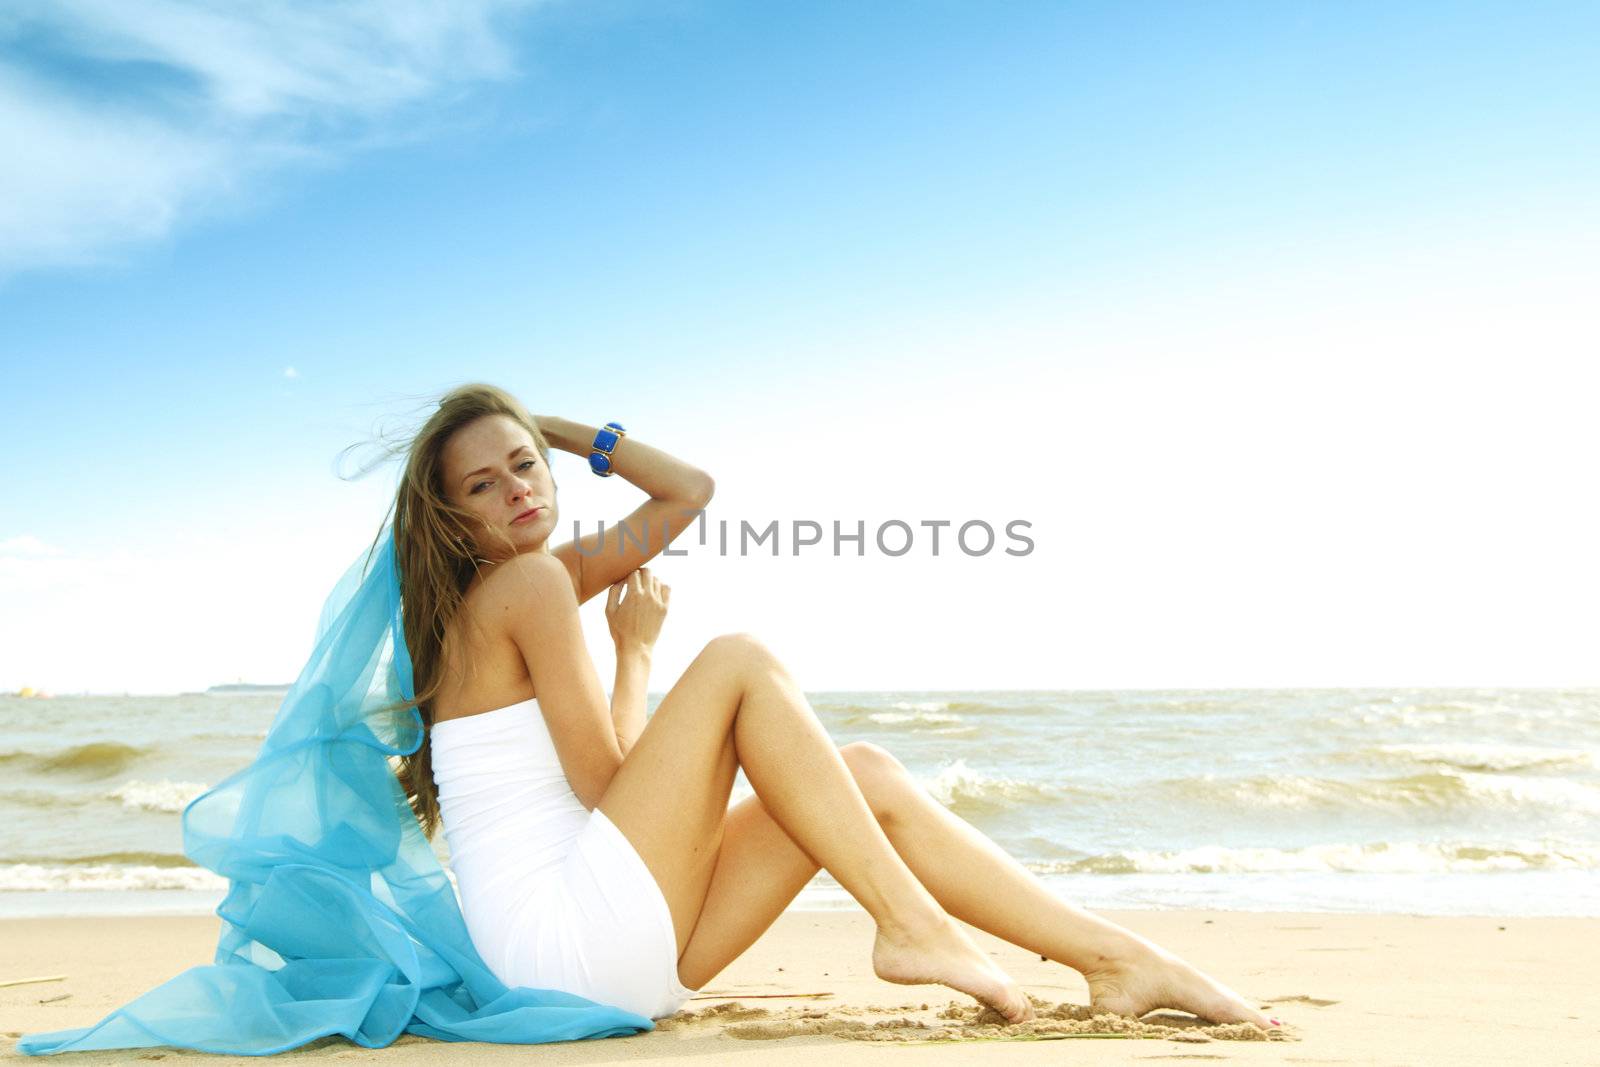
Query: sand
{"type": "Point", "coordinates": [1350, 989]}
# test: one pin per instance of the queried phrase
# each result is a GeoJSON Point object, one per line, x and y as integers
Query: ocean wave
{"type": "Point", "coordinates": [898, 712]}
{"type": "Point", "coordinates": [978, 707]}
{"type": "Point", "coordinates": [1489, 756]}
{"type": "Point", "coordinates": [1523, 791]}
{"type": "Point", "coordinates": [969, 792]}
{"type": "Point", "coordinates": [1442, 789]}
{"type": "Point", "coordinates": [119, 871]}
{"type": "Point", "coordinates": [1424, 713]}
{"type": "Point", "coordinates": [954, 707]}
{"type": "Point", "coordinates": [1522, 712]}
{"type": "Point", "coordinates": [1400, 858]}
{"type": "Point", "coordinates": [137, 859]}
{"type": "Point", "coordinates": [165, 795]}
{"type": "Point", "coordinates": [43, 798]}
{"type": "Point", "coordinates": [904, 714]}
{"type": "Point", "coordinates": [15, 877]}
{"type": "Point", "coordinates": [96, 759]}
{"type": "Point", "coordinates": [1449, 706]}
{"type": "Point", "coordinates": [919, 705]}
{"type": "Point", "coordinates": [930, 718]}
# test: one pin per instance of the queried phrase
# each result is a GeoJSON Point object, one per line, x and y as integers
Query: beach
{"type": "Point", "coordinates": [1399, 876]}
{"type": "Point", "coordinates": [1349, 989]}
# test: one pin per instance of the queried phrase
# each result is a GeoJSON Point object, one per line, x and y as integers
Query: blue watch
{"type": "Point", "coordinates": [605, 443]}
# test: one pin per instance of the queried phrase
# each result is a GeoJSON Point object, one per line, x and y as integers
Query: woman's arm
{"type": "Point", "coordinates": [678, 490]}
{"type": "Point", "coordinates": [635, 624]}
{"type": "Point", "coordinates": [628, 695]}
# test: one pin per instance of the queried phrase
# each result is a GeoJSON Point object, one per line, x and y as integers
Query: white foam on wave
{"type": "Point", "coordinates": [1443, 787]}
{"type": "Point", "coordinates": [1471, 756]}
{"type": "Point", "coordinates": [957, 783]}
{"type": "Point", "coordinates": [109, 876]}
{"type": "Point", "coordinates": [920, 705]}
{"type": "Point", "coordinates": [1517, 791]}
{"type": "Point", "coordinates": [165, 795]}
{"type": "Point", "coordinates": [21, 877]}
{"type": "Point", "coordinates": [1380, 858]}
{"type": "Point", "coordinates": [930, 718]}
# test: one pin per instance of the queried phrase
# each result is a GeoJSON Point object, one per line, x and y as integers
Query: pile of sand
{"type": "Point", "coordinates": [956, 1022]}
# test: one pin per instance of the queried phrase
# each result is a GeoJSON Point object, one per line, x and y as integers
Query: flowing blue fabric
{"type": "Point", "coordinates": [339, 918]}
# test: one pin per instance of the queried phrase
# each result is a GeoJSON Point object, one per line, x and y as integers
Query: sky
{"type": "Point", "coordinates": [1272, 323]}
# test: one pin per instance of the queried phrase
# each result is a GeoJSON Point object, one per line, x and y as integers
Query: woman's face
{"type": "Point", "coordinates": [493, 469]}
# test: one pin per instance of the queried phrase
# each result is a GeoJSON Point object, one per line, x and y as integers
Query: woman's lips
{"type": "Point", "coordinates": [526, 517]}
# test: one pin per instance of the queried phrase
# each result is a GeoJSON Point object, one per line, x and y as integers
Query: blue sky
{"type": "Point", "coordinates": [1269, 317]}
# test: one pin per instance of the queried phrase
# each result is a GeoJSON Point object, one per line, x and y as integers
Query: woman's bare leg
{"type": "Point", "coordinates": [760, 871]}
{"type": "Point", "coordinates": [976, 881]}
{"type": "Point", "coordinates": [736, 703]}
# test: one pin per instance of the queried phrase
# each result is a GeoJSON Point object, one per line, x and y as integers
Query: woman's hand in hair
{"type": "Point", "coordinates": [635, 613]}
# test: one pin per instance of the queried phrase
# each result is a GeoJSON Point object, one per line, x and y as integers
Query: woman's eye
{"type": "Point", "coordinates": [520, 466]}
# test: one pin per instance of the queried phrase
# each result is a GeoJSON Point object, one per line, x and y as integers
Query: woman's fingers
{"type": "Point", "coordinates": [613, 596]}
{"type": "Point", "coordinates": [641, 580]}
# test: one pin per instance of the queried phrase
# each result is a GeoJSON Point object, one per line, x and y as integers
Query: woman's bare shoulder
{"type": "Point", "coordinates": [484, 668]}
{"type": "Point", "coordinates": [525, 579]}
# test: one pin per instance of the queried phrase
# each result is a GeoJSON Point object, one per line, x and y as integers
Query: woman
{"type": "Point", "coordinates": [595, 852]}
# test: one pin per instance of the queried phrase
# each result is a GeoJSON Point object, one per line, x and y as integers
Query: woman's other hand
{"type": "Point", "coordinates": [635, 618]}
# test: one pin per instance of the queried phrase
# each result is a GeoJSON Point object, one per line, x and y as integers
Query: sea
{"type": "Point", "coordinates": [1410, 801]}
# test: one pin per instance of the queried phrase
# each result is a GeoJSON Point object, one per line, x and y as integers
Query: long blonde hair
{"type": "Point", "coordinates": [436, 558]}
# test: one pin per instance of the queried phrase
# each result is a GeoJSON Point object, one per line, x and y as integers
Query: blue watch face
{"type": "Point", "coordinates": [600, 462]}
{"type": "Point", "coordinates": [605, 440]}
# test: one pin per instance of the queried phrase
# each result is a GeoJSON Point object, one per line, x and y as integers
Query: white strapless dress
{"type": "Point", "coordinates": [554, 895]}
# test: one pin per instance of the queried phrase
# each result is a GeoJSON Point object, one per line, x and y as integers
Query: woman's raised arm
{"type": "Point", "coordinates": [678, 491]}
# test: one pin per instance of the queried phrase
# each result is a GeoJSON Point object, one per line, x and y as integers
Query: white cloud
{"type": "Point", "coordinates": [290, 372]}
{"type": "Point", "coordinates": [27, 545]}
{"type": "Point", "coordinates": [176, 105]}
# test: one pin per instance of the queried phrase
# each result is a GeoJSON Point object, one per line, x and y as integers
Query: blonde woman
{"type": "Point", "coordinates": [595, 852]}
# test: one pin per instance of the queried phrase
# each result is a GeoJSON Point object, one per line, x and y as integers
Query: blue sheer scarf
{"type": "Point", "coordinates": [339, 918]}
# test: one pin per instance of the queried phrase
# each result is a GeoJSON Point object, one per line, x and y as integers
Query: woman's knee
{"type": "Point", "coordinates": [739, 649]}
{"type": "Point", "coordinates": [870, 759]}
{"type": "Point", "coordinates": [877, 772]}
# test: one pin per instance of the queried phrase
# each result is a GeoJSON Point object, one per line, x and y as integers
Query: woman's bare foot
{"type": "Point", "coordinates": [941, 952]}
{"type": "Point", "coordinates": [1154, 978]}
